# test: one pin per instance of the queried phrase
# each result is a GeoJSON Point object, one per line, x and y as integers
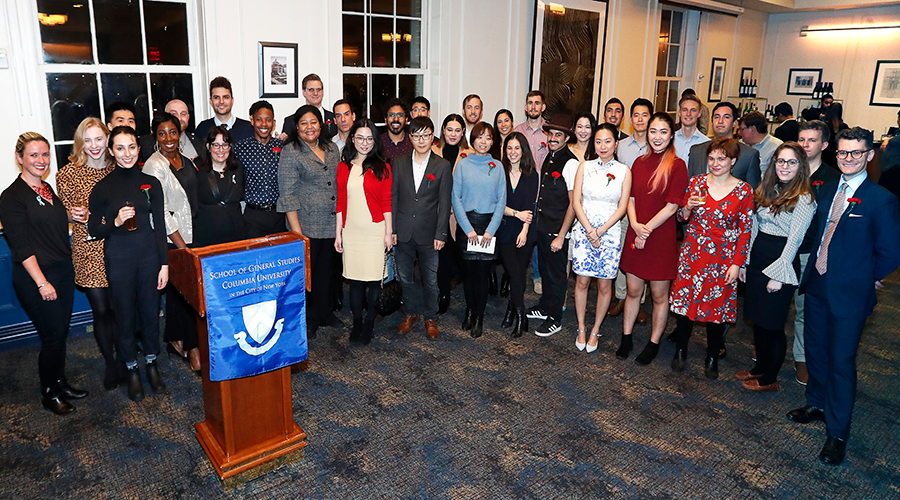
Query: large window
{"type": "Point", "coordinates": [97, 52]}
{"type": "Point", "coordinates": [669, 60]}
{"type": "Point", "coordinates": [383, 53]}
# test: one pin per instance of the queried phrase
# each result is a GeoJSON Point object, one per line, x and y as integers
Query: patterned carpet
{"type": "Point", "coordinates": [459, 418]}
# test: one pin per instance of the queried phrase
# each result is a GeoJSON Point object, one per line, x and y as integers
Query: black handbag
{"type": "Point", "coordinates": [391, 295]}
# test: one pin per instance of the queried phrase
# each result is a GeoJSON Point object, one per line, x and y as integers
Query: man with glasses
{"type": "Point", "coordinates": [313, 93]}
{"type": "Point", "coordinates": [422, 183]}
{"type": "Point", "coordinates": [421, 106]}
{"type": "Point", "coordinates": [755, 133]}
{"type": "Point", "coordinates": [259, 155]}
{"type": "Point", "coordinates": [395, 140]}
{"type": "Point", "coordinates": [857, 244]}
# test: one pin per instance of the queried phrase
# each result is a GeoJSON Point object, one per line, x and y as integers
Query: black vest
{"type": "Point", "coordinates": [553, 201]}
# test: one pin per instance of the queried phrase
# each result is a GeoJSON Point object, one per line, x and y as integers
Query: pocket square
{"type": "Point", "coordinates": [854, 215]}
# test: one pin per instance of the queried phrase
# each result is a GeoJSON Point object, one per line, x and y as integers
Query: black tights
{"type": "Point", "coordinates": [363, 291]}
{"type": "Point", "coordinates": [104, 322]}
{"type": "Point", "coordinates": [475, 275]}
{"type": "Point", "coordinates": [714, 332]}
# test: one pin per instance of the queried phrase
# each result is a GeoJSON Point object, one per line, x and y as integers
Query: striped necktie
{"type": "Point", "coordinates": [837, 209]}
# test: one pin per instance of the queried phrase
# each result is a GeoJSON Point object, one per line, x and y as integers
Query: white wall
{"type": "Point", "coordinates": [847, 58]}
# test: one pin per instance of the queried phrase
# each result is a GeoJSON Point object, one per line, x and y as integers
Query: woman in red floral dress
{"type": "Point", "coordinates": [719, 213]}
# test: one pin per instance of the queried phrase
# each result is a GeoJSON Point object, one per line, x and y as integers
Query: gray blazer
{"type": "Point", "coordinates": [308, 186]}
{"type": "Point", "coordinates": [421, 215]}
{"type": "Point", "coordinates": [746, 168]}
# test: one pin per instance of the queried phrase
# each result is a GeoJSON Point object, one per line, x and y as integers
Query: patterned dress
{"type": "Point", "coordinates": [75, 185]}
{"type": "Point", "coordinates": [600, 194]}
{"type": "Point", "coordinates": [716, 236]}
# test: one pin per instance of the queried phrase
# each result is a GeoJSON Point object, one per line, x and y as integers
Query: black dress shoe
{"type": "Point", "coordinates": [443, 303]}
{"type": "Point", "coordinates": [806, 414]}
{"type": "Point", "coordinates": [356, 332]}
{"type": "Point", "coordinates": [508, 317]}
{"type": "Point", "coordinates": [520, 326]}
{"type": "Point", "coordinates": [492, 284]}
{"type": "Point", "coordinates": [54, 402]}
{"type": "Point", "coordinates": [368, 329]}
{"type": "Point", "coordinates": [647, 355]}
{"type": "Point", "coordinates": [111, 377]}
{"type": "Point", "coordinates": [135, 388]}
{"type": "Point", "coordinates": [679, 359]}
{"type": "Point", "coordinates": [833, 452]}
{"type": "Point", "coordinates": [711, 367]}
{"type": "Point", "coordinates": [468, 320]}
{"type": "Point", "coordinates": [504, 285]}
{"type": "Point", "coordinates": [69, 392]}
{"type": "Point", "coordinates": [153, 377]}
{"type": "Point", "coordinates": [478, 327]}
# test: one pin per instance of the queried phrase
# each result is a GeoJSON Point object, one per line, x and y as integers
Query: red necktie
{"type": "Point", "coordinates": [836, 211]}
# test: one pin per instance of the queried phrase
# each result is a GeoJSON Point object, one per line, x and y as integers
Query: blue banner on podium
{"type": "Point", "coordinates": [255, 310]}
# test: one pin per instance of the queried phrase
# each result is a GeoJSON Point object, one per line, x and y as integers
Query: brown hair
{"type": "Point", "coordinates": [480, 128]}
{"type": "Point", "coordinates": [779, 197]}
{"type": "Point", "coordinates": [27, 137]}
{"type": "Point", "coordinates": [77, 158]}
{"type": "Point", "coordinates": [727, 145]}
{"type": "Point", "coordinates": [220, 82]}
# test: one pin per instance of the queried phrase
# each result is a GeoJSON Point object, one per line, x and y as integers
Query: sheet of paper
{"type": "Point", "coordinates": [480, 249]}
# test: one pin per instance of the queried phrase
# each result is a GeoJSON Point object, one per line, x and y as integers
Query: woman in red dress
{"type": "Point", "coordinates": [719, 213]}
{"type": "Point", "coordinates": [659, 179]}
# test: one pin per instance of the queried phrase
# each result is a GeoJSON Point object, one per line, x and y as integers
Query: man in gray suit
{"type": "Point", "coordinates": [421, 213]}
{"type": "Point", "coordinates": [747, 166]}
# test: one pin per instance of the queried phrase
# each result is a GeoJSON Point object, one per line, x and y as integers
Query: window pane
{"type": "Point", "coordinates": [412, 8]}
{"type": "Point", "coordinates": [382, 6]}
{"type": "Point", "coordinates": [130, 88]}
{"type": "Point", "coordinates": [410, 87]}
{"type": "Point", "coordinates": [353, 40]}
{"type": "Point", "coordinates": [167, 39]}
{"type": "Point", "coordinates": [353, 5]}
{"type": "Point", "coordinates": [355, 92]}
{"type": "Point", "coordinates": [62, 155]}
{"type": "Point", "coordinates": [73, 97]}
{"type": "Point", "coordinates": [165, 87]}
{"type": "Point", "coordinates": [659, 103]}
{"type": "Point", "coordinates": [118, 24]}
{"type": "Point", "coordinates": [664, 22]}
{"type": "Point", "coordinates": [381, 45]}
{"type": "Point", "coordinates": [675, 34]}
{"type": "Point", "coordinates": [674, 52]}
{"type": "Point", "coordinates": [409, 44]}
{"type": "Point", "coordinates": [661, 59]}
{"type": "Point", "coordinates": [672, 103]}
{"type": "Point", "coordinates": [384, 87]}
{"type": "Point", "coordinates": [65, 32]}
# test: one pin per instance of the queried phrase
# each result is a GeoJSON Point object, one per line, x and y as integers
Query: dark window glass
{"type": "Point", "coordinates": [165, 87]}
{"type": "Point", "coordinates": [167, 38]}
{"type": "Point", "coordinates": [409, 44]}
{"type": "Point", "coordinates": [65, 32]}
{"type": "Point", "coordinates": [382, 6]}
{"type": "Point", "coordinates": [73, 97]}
{"type": "Point", "coordinates": [384, 87]}
{"type": "Point", "coordinates": [412, 8]}
{"type": "Point", "coordinates": [356, 93]}
{"type": "Point", "coordinates": [62, 155]}
{"type": "Point", "coordinates": [353, 5]}
{"type": "Point", "coordinates": [675, 34]}
{"type": "Point", "coordinates": [410, 87]}
{"type": "Point", "coordinates": [353, 40]}
{"type": "Point", "coordinates": [118, 24]}
{"type": "Point", "coordinates": [130, 88]}
{"type": "Point", "coordinates": [381, 47]}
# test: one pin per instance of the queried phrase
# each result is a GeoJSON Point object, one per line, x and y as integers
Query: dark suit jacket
{"type": "Point", "coordinates": [864, 248]}
{"type": "Point", "coordinates": [424, 215]}
{"type": "Point", "coordinates": [746, 168]}
{"type": "Point", "coordinates": [328, 128]}
{"type": "Point", "coordinates": [789, 130]}
{"type": "Point", "coordinates": [148, 146]}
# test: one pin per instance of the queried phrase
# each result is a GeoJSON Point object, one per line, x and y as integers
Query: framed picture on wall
{"type": "Point", "coordinates": [717, 80]}
{"type": "Point", "coordinates": [746, 74]}
{"type": "Point", "coordinates": [803, 81]}
{"type": "Point", "coordinates": [278, 69]}
{"type": "Point", "coordinates": [886, 87]}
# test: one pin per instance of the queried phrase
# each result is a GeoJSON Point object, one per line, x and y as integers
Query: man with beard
{"type": "Point", "coordinates": [533, 127]}
{"type": "Point", "coordinates": [395, 141]}
{"type": "Point", "coordinates": [472, 111]}
{"type": "Point", "coordinates": [221, 100]}
{"type": "Point", "coordinates": [613, 114]}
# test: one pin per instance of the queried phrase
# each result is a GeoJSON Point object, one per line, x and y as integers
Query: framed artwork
{"type": "Point", "coordinates": [803, 81]}
{"type": "Point", "coordinates": [886, 86]}
{"type": "Point", "coordinates": [746, 74]}
{"type": "Point", "coordinates": [278, 69]}
{"type": "Point", "coordinates": [717, 80]}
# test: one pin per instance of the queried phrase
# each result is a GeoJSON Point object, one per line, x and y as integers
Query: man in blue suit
{"type": "Point", "coordinates": [859, 244]}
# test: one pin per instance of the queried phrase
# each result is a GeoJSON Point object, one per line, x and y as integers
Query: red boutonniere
{"type": "Point", "coordinates": [141, 164]}
{"type": "Point", "coordinates": [327, 122]}
{"type": "Point", "coordinates": [463, 155]}
{"type": "Point", "coordinates": [555, 176]}
{"type": "Point", "coordinates": [491, 166]}
{"type": "Point", "coordinates": [543, 145]}
{"type": "Point", "coordinates": [430, 179]}
{"type": "Point", "coordinates": [853, 202]}
{"type": "Point", "coordinates": [816, 185]}
{"type": "Point", "coordinates": [610, 178]}
{"type": "Point", "coordinates": [276, 150]}
{"type": "Point", "coordinates": [146, 189]}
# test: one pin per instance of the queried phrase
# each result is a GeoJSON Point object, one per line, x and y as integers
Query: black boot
{"type": "Point", "coordinates": [508, 318]}
{"type": "Point", "coordinates": [135, 388]}
{"type": "Point", "coordinates": [647, 355]}
{"type": "Point", "coordinates": [53, 400]}
{"type": "Point", "coordinates": [521, 325]}
{"type": "Point", "coordinates": [504, 285]}
{"type": "Point", "coordinates": [468, 320]}
{"type": "Point", "coordinates": [153, 377]}
{"type": "Point", "coordinates": [679, 359]}
{"type": "Point", "coordinates": [492, 283]}
{"type": "Point", "coordinates": [443, 303]}
{"type": "Point", "coordinates": [368, 328]}
{"type": "Point", "coordinates": [356, 332]}
{"type": "Point", "coordinates": [69, 392]}
{"type": "Point", "coordinates": [625, 347]}
{"type": "Point", "coordinates": [711, 367]}
{"type": "Point", "coordinates": [111, 376]}
{"type": "Point", "coordinates": [478, 327]}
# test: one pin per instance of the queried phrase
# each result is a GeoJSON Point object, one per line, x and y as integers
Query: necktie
{"type": "Point", "coordinates": [836, 211]}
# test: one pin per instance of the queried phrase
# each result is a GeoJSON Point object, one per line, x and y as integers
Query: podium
{"type": "Point", "coordinates": [249, 427]}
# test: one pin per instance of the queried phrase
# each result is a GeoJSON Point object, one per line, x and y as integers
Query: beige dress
{"type": "Point", "coordinates": [362, 239]}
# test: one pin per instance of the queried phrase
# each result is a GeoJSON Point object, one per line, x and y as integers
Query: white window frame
{"type": "Point", "coordinates": [682, 46]}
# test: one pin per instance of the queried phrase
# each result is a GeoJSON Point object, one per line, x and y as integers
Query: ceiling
{"type": "Point", "coordinates": [774, 6]}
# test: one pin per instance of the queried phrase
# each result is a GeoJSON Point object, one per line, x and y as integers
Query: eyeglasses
{"type": "Point", "coordinates": [363, 139]}
{"type": "Point", "coordinates": [421, 137]}
{"type": "Point", "coordinates": [314, 90]}
{"type": "Point", "coordinates": [220, 147]}
{"type": "Point", "coordinates": [780, 162]}
{"type": "Point", "coordinates": [856, 154]}
{"type": "Point", "coordinates": [396, 115]}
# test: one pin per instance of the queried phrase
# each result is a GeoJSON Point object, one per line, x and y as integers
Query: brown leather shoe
{"type": "Point", "coordinates": [802, 372]}
{"type": "Point", "coordinates": [745, 376]}
{"type": "Point", "coordinates": [642, 316]}
{"type": "Point", "coordinates": [407, 323]}
{"type": "Point", "coordinates": [753, 385]}
{"type": "Point", "coordinates": [615, 308]}
{"type": "Point", "coordinates": [431, 329]}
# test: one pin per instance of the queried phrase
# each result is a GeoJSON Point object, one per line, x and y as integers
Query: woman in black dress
{"type": "Point", "coordinates": [127, 206]}
{"type": "Point", "coordinates": [451, 144]}
{"type": "Point", "coordinates": [37, 228]}
{"type": "Point", "coordinates": [219, 193]}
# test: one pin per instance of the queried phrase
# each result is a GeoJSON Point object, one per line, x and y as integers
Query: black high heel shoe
{"type": "Point", "coordinates": [679, 359]}
{"type": "Point", "coordinates": [478, 327]}
{"type": "Point", "coordinates": [508, 317]}
{"type": "Point", "coordinates": [504, 285]}
{"type": "Point", "coordinates": [443, 303]}
{"type": "Point", "coordinates": [468, 320]}
{"type": "Point", "coordinates": [711, 367]}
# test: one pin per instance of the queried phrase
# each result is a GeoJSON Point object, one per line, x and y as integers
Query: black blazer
{"type": "Point", "coordinates": [328, 128]}
{"type": "Point", "coordinates": [424, 215]}
{"type": "Point", "coordinates": [746, 168]}
{"type": "Point", "coordinates": [789, 130]}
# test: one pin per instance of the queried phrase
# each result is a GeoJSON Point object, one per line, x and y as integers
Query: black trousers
{"type": "Point", "coordinates": [319, 300]}
{"type": "Point", "coordinates": [181, 319]}
{"type": "Point", "coordinates": [714, 333]}
{"type": "Point", "coordinates": [448, 267]}
{"type": "Point", "coordinates": [553, 275]}
{"type": "Point", "coordinates": [771, 346]}
{"type": "Point", "coordinates": [50, 317]}
{"type": "Point", "coordinates": [104, 322]}
{"type": "Point", "coordinates": [133, 273]}
{"type": "Point", "coordinates": [475, 275]}
{"type": "Point", "coordinates": [261, 223]}
{"type": "Point", "coordinates": [516, 261]}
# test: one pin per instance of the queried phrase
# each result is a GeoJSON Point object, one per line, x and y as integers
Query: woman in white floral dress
{"type": "Point", "coordinates": [600, 200]}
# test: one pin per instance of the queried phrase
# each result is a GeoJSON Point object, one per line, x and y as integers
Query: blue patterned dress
{"type": "Point", "coordinates": [601, 191]}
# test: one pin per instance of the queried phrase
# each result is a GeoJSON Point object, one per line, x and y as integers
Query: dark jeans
{"type": "Point", "coordinates": [553, 267]}
{"type": "Point", "coordinates": [714, 333]}
{"type": "Point", "coordinates": [50, 317]}
{"type": "Point", "coordinates": [516, 261]}
{"type": "Point", "coordinates": [475, 276]}
{"type": "Point", "coordinates": [261, 223]}
{"type": "Point", "coordinates": [132, 279]}
{"type": "Point", "coordinates": [319, 305]}
{"type": "Point", "coordinates": [417, 299]}
{"type": "Point", "coordinates": [771, 346]}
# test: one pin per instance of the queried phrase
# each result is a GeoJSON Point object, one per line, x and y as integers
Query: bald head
{"type": "Point", "coordinates": [178, 109]}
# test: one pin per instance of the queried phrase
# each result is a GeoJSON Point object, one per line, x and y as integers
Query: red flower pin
{"type": "Point", "coordinates": [555, 176]}
{"type": "Point", "coordinates": [141, 164]}
{"type": "Point", "coordinates": [492, 166]}
{"type": "Point", "coordinates": [853, 202]}
{"type": "Point", "coordinates": [276, 150]}
{"type": "Point", "coordinates": [430, 178]}
{"type": "Point", "coordinates": [610, 178]}
{"type": "Point", "coordinates": [543, 145]}
{"type": "Point", "coordinates": [463, 155]}
{"type": "Point", "coordinates": [146, 189]}
{"type": "Point", "coordinates": [816, 184]}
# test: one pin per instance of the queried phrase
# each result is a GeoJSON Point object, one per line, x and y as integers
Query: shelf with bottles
{"type": "Point", "coordinates": [748, 104]}
{"type": "Point", "coordinates": [809, 102]}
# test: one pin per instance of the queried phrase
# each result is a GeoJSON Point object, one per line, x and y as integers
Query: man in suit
{"type": "Point", "coordinates": [313, 92]}
{"type": "Point", "coordinates": [614, 114]}
{"type": "Point", "coordinates": [857, 245]}
{"type": "Point", "coordinates": [221, 99]}
{"type": "Point", "coordinates": [746, 167]}
{"type": "Point", "coordinates": [789, 130]}
{"type": "Point", "coordinates": [190, 146]}
{"type": "Point", "coordinates": [422, 182]}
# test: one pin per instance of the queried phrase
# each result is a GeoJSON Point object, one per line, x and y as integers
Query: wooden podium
{"type": "Point", "coordinates": [249, 427]}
